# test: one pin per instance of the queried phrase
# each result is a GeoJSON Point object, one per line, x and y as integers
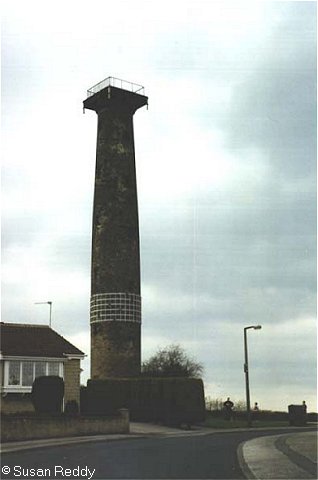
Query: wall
{"type": "Point", "coordinates": [72, 370]}
{"type": "Point", "coordinates": [16, 402]}
{"type": "Point", "coordinates": [1, 372]}
{"type": "Point", "coordinates": [33, 427]}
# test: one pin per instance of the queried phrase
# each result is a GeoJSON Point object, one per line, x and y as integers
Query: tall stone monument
{"type": "Point", "coordinates": [115, 309]}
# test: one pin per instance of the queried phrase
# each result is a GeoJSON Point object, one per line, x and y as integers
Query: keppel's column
{"type": "Point", "coordinates": [115, 312]}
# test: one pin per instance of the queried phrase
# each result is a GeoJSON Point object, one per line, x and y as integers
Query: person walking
{"type": "Point", "coordinates": [228, 409]}
{"type": "Point", "coordinates": [255, 411]}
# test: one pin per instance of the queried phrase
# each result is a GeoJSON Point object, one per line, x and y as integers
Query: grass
{"type": "Point", "coordinates": [214, 422]}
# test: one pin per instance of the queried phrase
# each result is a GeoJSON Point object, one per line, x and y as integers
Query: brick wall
{"type": "Point", "coordinates": [1, 372]}
{"type": "Point", "coordinates": [27, 428]}
{"type": "Point", "coordinates": [16, 402]}
{"type": "Point", "coordinates": [72, 381]}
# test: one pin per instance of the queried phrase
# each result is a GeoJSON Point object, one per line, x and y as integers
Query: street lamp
{"type": "Point", "coordinates": [248, 402]}
{"type": "Point", "coordinates": [46, 303]}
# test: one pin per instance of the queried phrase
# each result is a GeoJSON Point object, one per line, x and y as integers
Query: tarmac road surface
{"type": "Point", "coordinates": [182, 455]}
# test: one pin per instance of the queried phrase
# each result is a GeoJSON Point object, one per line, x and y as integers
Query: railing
{"type": "Point", "coordinates": [116, 82]}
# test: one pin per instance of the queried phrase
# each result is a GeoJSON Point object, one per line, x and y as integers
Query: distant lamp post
{"type": "Point", "coordinates": [248, 401]}
{"type": "Point", "coordinates": [47, 303]}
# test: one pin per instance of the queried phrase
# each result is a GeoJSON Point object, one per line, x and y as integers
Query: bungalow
{"type": "Point", "coordinates": [30, 351]}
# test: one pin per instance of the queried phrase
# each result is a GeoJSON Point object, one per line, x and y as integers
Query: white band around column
{"type": "Point", "coordinates": [115, 307]}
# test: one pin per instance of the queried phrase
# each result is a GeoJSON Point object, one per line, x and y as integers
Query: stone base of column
{"type": "Point", "coordinates": [115, 335]}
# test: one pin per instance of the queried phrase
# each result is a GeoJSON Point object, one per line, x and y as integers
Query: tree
{"type": "Point", "coordinates": [171, 362]}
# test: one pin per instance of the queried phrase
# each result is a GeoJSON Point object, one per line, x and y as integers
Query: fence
{"type": "Point", "coordinates": [118, 83]}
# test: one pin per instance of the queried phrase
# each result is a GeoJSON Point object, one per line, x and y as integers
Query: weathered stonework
{"type": "Point", "coordinates": [115, 271]}
{"type": "Point", "coordinates": [115, 242]}
{"type": "Point", "coordinates": [115, 349]}
{"type": "Point", "coordinates": [33, 427]}
{"type": "Point", "coordinates": [16, 403]}
{"type": "Point", "coordinates": [72, 371]}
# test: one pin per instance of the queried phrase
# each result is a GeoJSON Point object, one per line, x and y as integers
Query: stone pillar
{"type": "Point", "coordinates": [115, 314]}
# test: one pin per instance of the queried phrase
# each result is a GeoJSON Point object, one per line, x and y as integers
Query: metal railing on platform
{"type": "Point", "coordinates": [118, 83]}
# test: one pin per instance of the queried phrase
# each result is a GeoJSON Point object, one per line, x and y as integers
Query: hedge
{"type": "Point", "coordinates": [265, 415]}
{"type": "Point", "coordinates": [173, 401]}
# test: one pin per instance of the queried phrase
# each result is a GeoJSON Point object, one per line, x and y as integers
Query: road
{"type": "Point", "coordinates": [207, 456]}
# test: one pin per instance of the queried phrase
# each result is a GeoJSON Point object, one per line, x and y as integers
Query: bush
{"type": "Point", "coordinates": [47, 394]}
{"type": "Point", "coordinates": [173, 401]}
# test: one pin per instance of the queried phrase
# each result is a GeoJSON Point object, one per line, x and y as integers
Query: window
{"type": "Point", "coordinates": [21, 374]}
{"type": "Point", "coordinates": [40, 369]}
{"type": "Point", "coordinates": [54, 368]}
{"type": "Point", "coordinates": [27, 374]}
{"type": "Point", "coordinates": [14, 373]}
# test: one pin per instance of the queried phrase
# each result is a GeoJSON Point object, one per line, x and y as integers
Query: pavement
{"type": "Point", "coordinates": [284, 456]}
{"type": "Point", "coordinates": [287, 456]}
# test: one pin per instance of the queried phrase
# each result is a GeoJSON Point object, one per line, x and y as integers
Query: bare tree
{"type": "Point", "coordinates": [214, 403]}
{"type": "Point", "coordinates": [171, 362]}
{"type": "Point", "coordinates": [217, 404]}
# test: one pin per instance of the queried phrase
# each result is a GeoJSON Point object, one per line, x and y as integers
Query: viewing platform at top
{"type": "Point", "coordinates": [115, 93]}
{"type": "Point", "coordinates": [118, 83]}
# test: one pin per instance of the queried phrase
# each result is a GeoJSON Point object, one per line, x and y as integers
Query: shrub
{"type": "Point", "coordinates": [47, 394]}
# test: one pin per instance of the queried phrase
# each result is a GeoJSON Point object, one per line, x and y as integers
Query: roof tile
{"type": "Point", "coordinates": [34, 341]}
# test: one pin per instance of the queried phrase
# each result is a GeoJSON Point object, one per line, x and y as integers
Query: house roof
{"type": "Point", "coordinates": [23, 340]}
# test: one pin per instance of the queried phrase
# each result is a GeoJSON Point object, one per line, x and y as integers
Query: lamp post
{"type": "Point", "coordinates": [248, 402]}
{"type": "Point", "coordinates": [47, 303]}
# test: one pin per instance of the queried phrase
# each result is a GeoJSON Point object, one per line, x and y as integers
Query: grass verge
{"type": "Point", "coordinates": [240, 423]}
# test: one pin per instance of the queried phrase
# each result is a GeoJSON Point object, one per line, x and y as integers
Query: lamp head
{"type": "Point", "coordinates": [255, 327]}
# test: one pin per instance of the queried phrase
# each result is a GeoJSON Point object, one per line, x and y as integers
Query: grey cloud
{"type": "Point", "coordinates": [239, 304]}
{"type": "Point", "coordinates": [230, 277]}
{"type": "Point", "coordinates": [263, 246]}
{"type": "Point", "coordinates": [274, 106]}
{"type": "Point", "coordinates": [20, 231]}
{"type": "Point", "coordinates": [70, 252]}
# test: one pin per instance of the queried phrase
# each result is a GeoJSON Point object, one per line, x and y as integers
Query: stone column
{"type": "Point", "coordinates": [115, 276]}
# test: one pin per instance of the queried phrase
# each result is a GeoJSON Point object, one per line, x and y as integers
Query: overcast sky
{"type": "Point", "coordinates": [226, 173]}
